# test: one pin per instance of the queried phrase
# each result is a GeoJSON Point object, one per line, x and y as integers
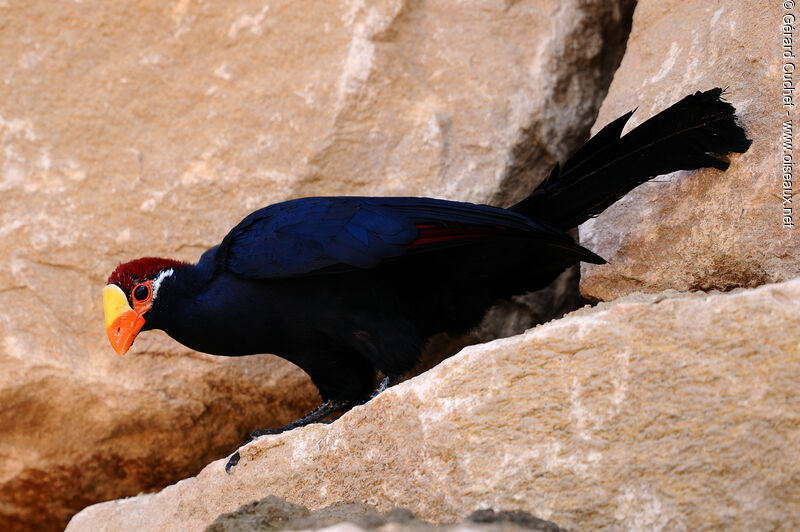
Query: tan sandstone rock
{"type": "Point", "coordinates": [134, 128]}
{"type": "Point", "coordinates": [699, 230]}
{"type": "Point", "coordinates": [654, 412]}
{"type": "Point", "coordinates": [272, 513]}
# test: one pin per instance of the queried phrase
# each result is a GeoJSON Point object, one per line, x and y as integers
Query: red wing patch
{"type": "Point", "coordinates": [429, 234]}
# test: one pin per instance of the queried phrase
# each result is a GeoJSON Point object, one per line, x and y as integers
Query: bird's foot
{"type": "Point", "coordinates": [315, 416]}
{"type": "Point", "coordinates": [324, 410]}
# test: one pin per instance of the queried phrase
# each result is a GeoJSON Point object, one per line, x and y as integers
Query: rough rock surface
{"type": "Point", "coordinates": [272, 513]}
{"type": "Point", "coordinates": [699, 230]}
{"type": "Point", "coordinates": [653, 412]}
{"type": "Point", "coordinates": [137, 128]}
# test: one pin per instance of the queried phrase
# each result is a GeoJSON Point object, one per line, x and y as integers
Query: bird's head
{"type": "Point", "coordinates": [131, 292]}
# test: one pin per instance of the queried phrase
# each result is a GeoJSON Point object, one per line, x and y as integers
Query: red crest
{"type": "Point", "coordinates": [127, 275]}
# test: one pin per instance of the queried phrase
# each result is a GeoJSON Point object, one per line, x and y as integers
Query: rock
{"type": "Point", "coordinates": [513, 517]}
{"type": "Point", "coordinates": [664, 411]}
{"type": "Point", "coordinates": [700, 230]}
{"type": "Point", "coordinates": [522, 312]}
{"type": "Point", "coordinates": [272, 513]}
{"type": "Point", "coordinates": [137, 128]}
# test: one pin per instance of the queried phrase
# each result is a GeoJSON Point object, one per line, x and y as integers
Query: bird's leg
{"type": "Point", "coordinates": [389, 380]}
{"type": "Point", "coordinates": [381, 387]}
{"type": "Point", "coordinates": [331, 406]}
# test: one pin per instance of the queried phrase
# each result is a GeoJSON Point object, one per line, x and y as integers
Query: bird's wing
{"type": "Point", "coordinates": [309, 235]}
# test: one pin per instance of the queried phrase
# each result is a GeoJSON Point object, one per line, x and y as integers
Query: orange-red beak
{"type": "Point", "coordinates": [122, 322]}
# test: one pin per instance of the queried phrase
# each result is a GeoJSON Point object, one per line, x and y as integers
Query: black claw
{"type": "Point", "coordinates": [232, 461]}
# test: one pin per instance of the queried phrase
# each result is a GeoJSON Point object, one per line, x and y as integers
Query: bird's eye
{"type": "Point", "coordinates": [141, 292]}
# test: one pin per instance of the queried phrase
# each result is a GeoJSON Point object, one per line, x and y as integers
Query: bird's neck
{"type": "Point", "coordinates": [175, 289]}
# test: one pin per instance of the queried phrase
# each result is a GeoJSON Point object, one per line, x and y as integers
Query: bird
{"type": "Point", "coordinates": [350, 288]}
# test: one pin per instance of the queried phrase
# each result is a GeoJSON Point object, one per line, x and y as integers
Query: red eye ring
{"type": "Point", "coordinates": [141, 292]}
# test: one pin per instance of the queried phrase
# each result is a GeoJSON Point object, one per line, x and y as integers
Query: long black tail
{"type": "Point", "coordinates": [689, 135]}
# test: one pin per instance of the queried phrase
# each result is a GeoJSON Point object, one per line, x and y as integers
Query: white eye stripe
{"type": "Point", "coordinates": [157, 281]}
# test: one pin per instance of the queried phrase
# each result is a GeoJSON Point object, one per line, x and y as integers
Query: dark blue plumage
{"type": "Point", "coordinates": [311, 235]}
{"type": "Point", "coordinates": [348, 286]}
{"type": "Point", "coordinates": [303, 236]}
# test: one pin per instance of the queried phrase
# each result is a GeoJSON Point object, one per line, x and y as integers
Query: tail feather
{"type": "Point", "coordinates": [690, 134]}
